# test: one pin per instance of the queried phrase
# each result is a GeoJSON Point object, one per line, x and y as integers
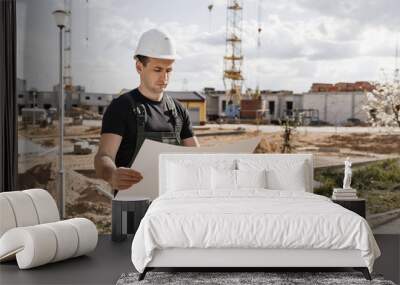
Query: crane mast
{"type": "Point", "coordinates": [233, 59]}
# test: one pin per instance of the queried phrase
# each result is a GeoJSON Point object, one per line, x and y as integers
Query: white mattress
{"type": "Point", "coordinates": [252, 218]}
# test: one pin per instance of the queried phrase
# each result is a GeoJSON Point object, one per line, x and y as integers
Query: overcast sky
{"type": "Point", "coordinates": [302, 41]}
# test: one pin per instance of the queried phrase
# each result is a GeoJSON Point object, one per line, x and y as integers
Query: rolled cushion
{"type": "Point", "coordinates": [33, 246]}
{"type": "Point", "coordinates": [26, 208]}
{"type": "Point", "coordinates": [66, 238]}
{"type": "Point", "coordinates": [45, 205]}
{"type": "Point", "coordinates": [87, 235]}
{"type": "Point", "coordinates": [23, 208]}
{"type": "Point", "coordinates": [7, 218]}
{"type": "Point", "coordinates": [40, 244]}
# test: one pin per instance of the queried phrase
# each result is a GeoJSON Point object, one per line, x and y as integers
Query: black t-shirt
{"type": "Point", "coordinates": [119, 119]}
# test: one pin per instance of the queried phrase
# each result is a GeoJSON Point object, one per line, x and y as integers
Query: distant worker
{"type": "Point", "coordinates": [144, 112]}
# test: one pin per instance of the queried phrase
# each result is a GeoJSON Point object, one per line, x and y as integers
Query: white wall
{"type": "Point", "coordinates": [221, 98]}
{"type": "Point", "coordinates": [359, 113]}
{"type": "Point", "coordinates": [336, 107]}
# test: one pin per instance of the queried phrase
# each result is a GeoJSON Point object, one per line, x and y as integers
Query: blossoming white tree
{"type": "Point", "coordinates": [383, 103]}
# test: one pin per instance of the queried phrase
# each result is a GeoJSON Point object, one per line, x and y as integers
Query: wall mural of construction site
{"type": "Point", "coordinates": [246, 69]}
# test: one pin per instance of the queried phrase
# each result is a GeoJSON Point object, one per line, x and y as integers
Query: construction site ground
{"type": "Point", "coordinates": [87, 196]}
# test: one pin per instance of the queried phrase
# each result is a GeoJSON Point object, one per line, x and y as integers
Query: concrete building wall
{"type": "Point", "coordinates": [45, 99]}
{"type": "Point", "coordinates": [42, 99]}
{"type": "Point", "coordinates": [273, 114]}
{"type": "Point", "coordinates": [339, 108]}
{"type": "Point", "coordinates": [280, 103]}
{"type": "Point", "coordinates": [93, 99]}
{"type": "Point", "coordinates": [336, 107]}
{"type": "Point", "coordinates": [359, 113]}
{"type": "Point", "coordinates": [315, 101]}
{"type": "Point", "coordinates": [212, 105]}
{"type": "Point", "coordinates": [298, 101]}
{"type": "Point", "coordinates": [221, 104]}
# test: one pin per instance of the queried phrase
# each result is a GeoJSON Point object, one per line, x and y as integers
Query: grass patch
{"type": "Point", "coordinates": [378, 182]}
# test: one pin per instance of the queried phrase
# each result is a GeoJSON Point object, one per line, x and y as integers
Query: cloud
{"type": "Point", "coordinates": [325, 50]}
{"type": "Point", "coordinates": [301, 41]}
{"type": "Point", "coordinates": [366, 12]}
{"type": "Point", "coordinates": [216, 38]}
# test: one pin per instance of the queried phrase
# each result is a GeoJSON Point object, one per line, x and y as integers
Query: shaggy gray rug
{"type": "Point", "coordinates": [229, 278]}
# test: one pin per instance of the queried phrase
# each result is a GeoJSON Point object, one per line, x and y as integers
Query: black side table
{"type": "Point", "coordinates": [358, 205]}
{"type": "Point", "coordinates": [126, 216]}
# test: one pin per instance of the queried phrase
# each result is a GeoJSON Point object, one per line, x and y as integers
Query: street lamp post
{"type": "Point", "coordinates": [60, 17]}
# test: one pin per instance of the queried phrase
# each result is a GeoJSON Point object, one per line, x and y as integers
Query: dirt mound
{"type": "Point", "coordinates": [375, 143]}
{"type": "Point", "coordinates": [85, 199]}
{"type": "Point", "coordinates": [93, 130]}
{"type": "Point", "coordinates": [91, 193]}
{"type": "Point", "coordinates": [39, 176]}
{"type": "Point", "coordinates": [266, 147]}
{"type": "Point", "coordinates": [85, 113]}
{"type": "Point", "coordinates": [35, 131]}
{"type": "Point", "coordinates": [100, 214]}
{"type": "Point", "coordinates": [83, 195]}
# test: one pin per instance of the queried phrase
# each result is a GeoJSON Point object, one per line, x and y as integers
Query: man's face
{"type": "Point", "coordinates": [155, 75]}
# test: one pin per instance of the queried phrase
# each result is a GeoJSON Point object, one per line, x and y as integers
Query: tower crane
{"type": "Point", "coordinates": [233, 59]}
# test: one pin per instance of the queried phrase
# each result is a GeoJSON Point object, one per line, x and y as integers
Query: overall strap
{"type": "Point", "coordinates": [176, 120]}
{"type": "Point", "coordinates": [141, 117]}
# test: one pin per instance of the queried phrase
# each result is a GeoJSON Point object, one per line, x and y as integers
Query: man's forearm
{"type": "Point", "coordinates": [192, 141]}
{"type": "Point", "coordinates": [104, 166]}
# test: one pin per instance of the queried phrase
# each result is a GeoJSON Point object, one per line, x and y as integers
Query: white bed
{"type": "Point", "coordinates": [227, 219]}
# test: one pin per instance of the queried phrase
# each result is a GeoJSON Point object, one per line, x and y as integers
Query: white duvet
{"type": "Point", "coordinates": [250, 218]}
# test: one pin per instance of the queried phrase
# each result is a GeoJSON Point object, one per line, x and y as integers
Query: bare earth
{"type": "Point", "coordinates": [89, 197]}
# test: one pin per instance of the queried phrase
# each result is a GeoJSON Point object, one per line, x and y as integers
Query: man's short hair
{"type": "Point", "coordinates": [143, 59]}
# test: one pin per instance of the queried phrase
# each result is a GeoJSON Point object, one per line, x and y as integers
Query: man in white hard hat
{"type": "Point", "coordinates": [144, 112]}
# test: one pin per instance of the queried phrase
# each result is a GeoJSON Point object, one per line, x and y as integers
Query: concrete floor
{"type": "Point", "coordinates": [102, 266]}
{"type": "Point", "coordinates": [110, 259]}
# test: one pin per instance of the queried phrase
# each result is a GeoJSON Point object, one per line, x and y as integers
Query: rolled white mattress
{"type": "Point", "coordinates": [40, 244]}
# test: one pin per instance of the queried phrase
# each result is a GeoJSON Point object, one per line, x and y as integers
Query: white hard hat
{"type": "Point", "coordinates": [157, 44]}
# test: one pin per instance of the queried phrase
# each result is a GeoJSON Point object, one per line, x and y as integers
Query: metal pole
{"type": "Point", "coordinates": [61, 194]}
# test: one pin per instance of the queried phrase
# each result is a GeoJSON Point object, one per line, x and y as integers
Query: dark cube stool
{"type": "Point", "coordinates": [356, 205]}
{"type": "Point", "coordinates": [126, 216]}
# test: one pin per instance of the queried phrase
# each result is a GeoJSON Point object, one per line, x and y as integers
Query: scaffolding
{"type": "Point", "coordinates": [68, 47]}
{"type": "Point", "coordinates": [233, 59]}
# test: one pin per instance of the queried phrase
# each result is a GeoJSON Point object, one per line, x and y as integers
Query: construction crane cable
{"type": "Point", "coordinates": [87, 23]}
{"type": "Point", "coordinates": [259, 29]}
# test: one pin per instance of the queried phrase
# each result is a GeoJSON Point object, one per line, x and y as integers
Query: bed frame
{"type": "Point", "coordinates": [242, 258]}
{"type": "Point", "coordinates": [256, 258]}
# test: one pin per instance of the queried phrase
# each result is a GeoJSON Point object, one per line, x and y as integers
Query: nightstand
{"type": "Point", "coordinates": [127, 212]}
{"type": "Point", "coordinates": [358, 206]}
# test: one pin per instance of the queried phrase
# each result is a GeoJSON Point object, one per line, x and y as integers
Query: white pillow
{"type": "Point", "coordinates": [223, 179]}
{"type": "Point", "coordinates": [291, 176]}
{"type": "Point", "coordinates": [283, 173]}
{"type": "Point", "coordinates": [183, 177]}
{"type": "Point", "coordinates": [251, 178]}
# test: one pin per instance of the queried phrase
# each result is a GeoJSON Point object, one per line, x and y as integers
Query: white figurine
{"type": "Point", "coordinates": [347, 174]}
